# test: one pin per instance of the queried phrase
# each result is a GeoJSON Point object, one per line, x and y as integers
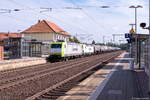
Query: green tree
{"type": "Point", "coordinates": [71, 39]}
{"type": "Point", "coordinates": [93, 42]}
{"type": "Point", "coordinates": [74, 39]}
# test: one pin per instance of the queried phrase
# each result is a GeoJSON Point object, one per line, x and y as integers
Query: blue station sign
{"type": "Point", "coordinates": [128, 35]}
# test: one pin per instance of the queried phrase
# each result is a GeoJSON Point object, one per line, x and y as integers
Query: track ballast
{"type": "Point", "coordinates": [48, 81]}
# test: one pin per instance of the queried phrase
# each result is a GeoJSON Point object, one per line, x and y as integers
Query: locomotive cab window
{"type": "Point", "coordinates": [56, 46]}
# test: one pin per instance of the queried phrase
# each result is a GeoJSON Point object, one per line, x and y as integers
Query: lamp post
{"type": "Point", "coordinates": [135, 7]}
{"type": "Point", "coordinates": [136, 40]}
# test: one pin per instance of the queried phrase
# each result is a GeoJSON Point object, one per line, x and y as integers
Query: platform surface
{"type": "Point", "coordinates": [115, 81]}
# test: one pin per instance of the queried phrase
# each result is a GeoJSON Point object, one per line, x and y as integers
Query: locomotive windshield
{"type": "Point", "coordinates": [56, 45]}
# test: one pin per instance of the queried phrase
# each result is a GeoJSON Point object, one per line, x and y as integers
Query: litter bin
{"type": "Point", "coordinates": [131, 63]}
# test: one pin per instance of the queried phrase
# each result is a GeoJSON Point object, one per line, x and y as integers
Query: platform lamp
{"type": "Point", "coordinates": [135, 7]}
{"type": "Point", "coordinates": [136, 41]}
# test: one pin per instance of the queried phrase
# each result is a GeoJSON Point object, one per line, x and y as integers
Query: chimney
{"type": "Point", "coordinates": [8, 34]}
{"type": "Point", "coordinates": [39, 21]}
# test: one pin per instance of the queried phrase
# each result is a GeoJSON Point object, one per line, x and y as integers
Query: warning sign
{"type": "Point", "coordinates": [132, 31]}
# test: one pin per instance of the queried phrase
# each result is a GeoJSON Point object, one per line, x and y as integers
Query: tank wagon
{"type": "Point", "coordinates": [87, 49]}
{"type": "Point", "coordinates": [63, 50]}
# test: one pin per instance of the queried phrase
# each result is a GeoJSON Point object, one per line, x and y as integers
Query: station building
{"type": "Point", "coordinates": [41, 34]}
{"type": "Point", "coordinates": [32, 42]}
{"type": "Point", "coordinates": [46, 31]}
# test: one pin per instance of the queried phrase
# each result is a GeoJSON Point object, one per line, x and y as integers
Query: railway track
{"type": "Point", "coordinates": [16, 71]}
{"type": "Point", "coordinates": [6, 77]}
{"type": "Point", "coordinates": [24, 75]}
{"type": "Point", "coordinates": [48, 76]}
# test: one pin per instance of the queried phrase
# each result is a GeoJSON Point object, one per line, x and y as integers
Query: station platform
{"type": "Point", "coordinates": [115, 81]}
{"type": "Point", "coordinates": [22, 62]}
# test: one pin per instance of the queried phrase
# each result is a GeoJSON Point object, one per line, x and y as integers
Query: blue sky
{"type": "Point", "coordinates": [89, 23]}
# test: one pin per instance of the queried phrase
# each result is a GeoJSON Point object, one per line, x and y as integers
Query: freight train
{"type": "Point", "coordinates": [64, 50]}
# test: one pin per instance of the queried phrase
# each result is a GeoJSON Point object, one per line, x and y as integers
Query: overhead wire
{"type": "Point", "coordinates": [43, 13]}
{"type": "Point", "coordinates": [98, 7]}
{"type": "Point", "coordinates": [74, 26]}
{"type": "Point", "coordinates": [17, 10]}
{"type": "Point", "coordinates": [78, 27]}
{"type": "Point", "coordinates": [82, 28]}
{"type": "Point", "coordinates": [91, 18]}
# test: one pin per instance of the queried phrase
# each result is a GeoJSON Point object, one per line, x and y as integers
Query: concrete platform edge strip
{"type": "Point", "coordinates": [101, 86]}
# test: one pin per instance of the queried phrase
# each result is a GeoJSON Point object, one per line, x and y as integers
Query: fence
{"type": "Point", "coordinates": [1, 52]}
{"type": "Point", "coordinates": [146, 55]}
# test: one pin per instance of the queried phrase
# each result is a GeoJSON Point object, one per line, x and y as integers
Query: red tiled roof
{"type": "Point", "coordinates": [7, 35]}
{"type": "Point", "coordinates": [45, 26]}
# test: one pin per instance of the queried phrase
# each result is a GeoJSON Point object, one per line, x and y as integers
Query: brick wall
{"type": "Point", "coordinates": [1, 52]}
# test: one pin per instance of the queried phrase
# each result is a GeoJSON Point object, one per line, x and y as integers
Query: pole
{"type": "Point", "coordinates": [136, 20]}
{"type": "Point", "coordinates": [149, 51]}
{"type": "Point", "coordinates": [149, 17]}
{"type": "Point", "coordinates": [114, 38]}
{"type": "Point", "coordinates": [136, 42]}
{"type": "Point", "coordinates": [104, 39]}
{"type": "Point", "coordinates": [130, 50]}
{"type": "Point", "coordinates": [139, 57]}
